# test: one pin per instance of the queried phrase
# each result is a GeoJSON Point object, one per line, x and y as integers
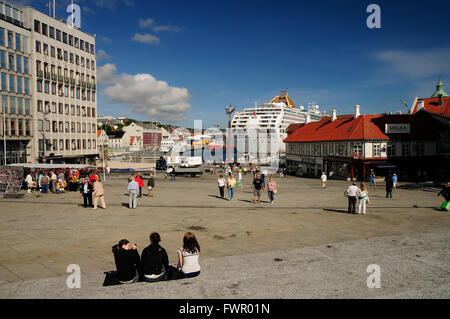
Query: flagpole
{"type": "Point", "coordinates": [54, 10]}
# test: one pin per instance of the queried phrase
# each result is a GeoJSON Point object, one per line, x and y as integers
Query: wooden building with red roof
{"type": "Point", "coordinates": [348, 146]}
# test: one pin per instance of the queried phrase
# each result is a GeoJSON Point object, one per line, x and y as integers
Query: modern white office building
{"type": "Point", "coordinates": [15, 86]}
{"type": "Point", "coordinates": [63, 90]}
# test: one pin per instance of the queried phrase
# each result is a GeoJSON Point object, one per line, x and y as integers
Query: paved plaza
{"type": "Point", "coordinates": [305, 242]}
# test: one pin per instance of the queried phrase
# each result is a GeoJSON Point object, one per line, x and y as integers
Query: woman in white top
{"type": "Point", "coordinates": [363, 197]}
{"type": "Point", "coordinates": [221, 183]}
{"type": "Point", "coordinates": [188, 256]}
{"type": "Point", "coordinates": [323, 178]}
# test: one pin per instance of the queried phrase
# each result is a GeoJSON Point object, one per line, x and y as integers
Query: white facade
{"type": "Point", "coordinates": [275, 117]}
{"type": "Point", "coordinates": [64, 93]}
{"type": "Point", "coordinates": [15, 86]}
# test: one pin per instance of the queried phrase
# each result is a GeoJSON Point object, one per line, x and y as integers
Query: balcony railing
{"type": "Point", "coordinates": [47, 75]}
{"type": "Point", "coordinates": [66, 80]}
{"type": "Point", "coordinates": [60, 78]}
{"type": "Point", "coordinates": [83, 84]}
{"type": "Point", "coordinates": [72, 81]}
{"type": "Point", "coordinates": [54, 77]}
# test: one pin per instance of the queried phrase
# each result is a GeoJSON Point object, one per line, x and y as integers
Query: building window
{"type": "Point", "coordinates": [391, 149]}
{"type": "Point", "coordinates": [44, 29]}
{"type": "Point", "coordinates": [61, 145]}
{"type": "Point", "coordinates": [11, 61]}
{"type": "Point", "coordinates": [376, 149]}
{"type": "Point", "coordinates": [51, 32]}
{"type": "Point", "coordinates": [64, 37]}
{"type": "Point", "coordinates": [18, 44]}
{"type": "Point", "coordinates": [406, 150]}
{"type": "Point", "coordinates": [25, 65]}
{"type": "Point", "coordinates": [58, 35]}
{"type": "Point", "coordinates": [45, 48]}
{"type": "Point", "coordinates": [419, 148]}
{"type": "Point", "coordinates": [39, 105]}
{"type": "Point", "coordinates": [38, 46]}
{"type": "Point", "coordinates": [2, 37]}
{"type": "Point", "coordinates": [10, 40]}
{"type": "Point", "coordinates": [66, 127]}
{"type": "Point", "coordinates": [19, 63]}
{"type": "Point", "coordinates": [40, 125]}
{"type": "Point", "coordinates": [2, 59]}
{"type": "Point", "coordinates": [12, 83]}
{"type": "Point", "coordinates": [357, 148]}
{"type": "Point", "coordinates": [37, 26]}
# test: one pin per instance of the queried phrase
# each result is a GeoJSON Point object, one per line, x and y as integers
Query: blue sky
{"type": "Point", "coordinates": [195, 57]}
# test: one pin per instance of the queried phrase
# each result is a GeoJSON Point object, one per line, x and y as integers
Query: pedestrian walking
{"type": "Point", "coordinates": [395, 180]}
{"type": "Point", "coordinates": [172, 174]}
{"type": "Point", "coordinates": [239, 182]}
{"type": "Point", "coordinates": [99, 194]}
{"type": "Point", "coordinates": [45, 181]}
{"type": "Point", "coordinates": [351, 195]}
{"type": "Point", "coordinates": [258, 185]}
{"type": "Point", "coordinates": [372, 183]}
{"type": "Point", "coordinates": [445, 192]}
{"type": "Point", "coordinates": [151, 185]}
{"type": "Point", "coordinates": [140, 182]}
{"type": "Point", "coordinates": [86, 193]}
{"type": "Point", "coordinates": [54, 180]}
{"type": "Point", "coordinates": [363, 196]}
{"type": "Point", "coordinates": [133, 190]}
{"type": "Point", "coordinates": [323, 178]}
{"type": "Point", "coordinates": [231, 185]}
{"type": "Point", "coordinates": [271, 189]}
{"type": "Point", "coordinates": [29, 181]}
{"type": "Point", "coordinates": [389, 185]}
{"type": "Point", "coordinates": [221, 184]}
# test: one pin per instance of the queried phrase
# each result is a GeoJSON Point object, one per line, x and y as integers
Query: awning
{"type": "Point", "coordinates": [384, 165]}
{"type": "Point", "coordinates": [52, 166]}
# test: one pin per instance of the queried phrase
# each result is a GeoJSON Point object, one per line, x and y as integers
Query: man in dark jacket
{"type": "Point", "coordinates": [127, 263]}
{"type": "Point", "coordinates": [151, 185]}
{"type": "Point", "coordinates": [389, 185]}
{"type": "Point", "coordinates": [154, 260]}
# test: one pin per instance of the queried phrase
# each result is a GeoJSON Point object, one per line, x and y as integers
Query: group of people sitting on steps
{"type": "Point", "coordinates": [153, 264]}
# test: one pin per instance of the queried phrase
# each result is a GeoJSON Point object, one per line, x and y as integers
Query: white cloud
{"type": "Point", "coordinates": [145, 23]}
{"type": "Point", "coordinates": [144, 94]}
{"type": "Point", "coordinates": [102, 55]}
{"type": "Point", "coordinates": [167, 28]}
{"type": "Point", "coordinates": [146, 38]}
{"type": "Point", "coordinates": [416, 64]}
{"type": "Point", "coordinates": [106, 74]}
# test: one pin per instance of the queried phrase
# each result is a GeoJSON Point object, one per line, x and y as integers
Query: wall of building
{"type": "Point", "coordinates": [15, 89]}
{"type": "Point", "coordinates": [64, 89]}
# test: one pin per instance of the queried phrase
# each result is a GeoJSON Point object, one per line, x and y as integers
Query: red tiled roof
{"type": "Point", "coordinates": [431, 105]}
{"type": "Point", "coordinates": [345, 127]}
{"type": "Point", "coordinates": [364, 127]}
{"type": "Point", "coordinates": [292, 127]}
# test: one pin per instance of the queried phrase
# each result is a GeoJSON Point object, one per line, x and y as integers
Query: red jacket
{"type": "Point", "coordinates": [140, 181]}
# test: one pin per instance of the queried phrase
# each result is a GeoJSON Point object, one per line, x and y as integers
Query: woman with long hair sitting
{"type": "Point", "coordinates": [188, 256]}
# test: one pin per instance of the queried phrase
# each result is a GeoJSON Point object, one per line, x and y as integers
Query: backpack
{"type": "Point", "coordinates": [111, 279]}
{"type": "Point", "coordinates": [173, 274]}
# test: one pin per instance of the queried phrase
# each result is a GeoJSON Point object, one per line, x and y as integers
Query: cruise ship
{"type": "Point", "coordinates": [274, 116]}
